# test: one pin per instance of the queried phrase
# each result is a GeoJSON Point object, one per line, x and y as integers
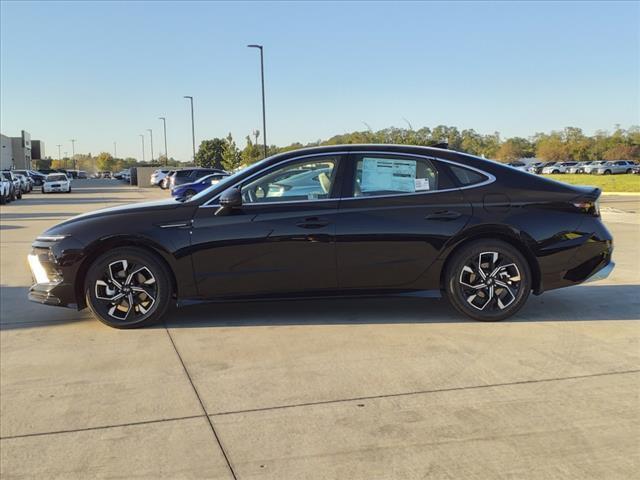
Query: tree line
{"type": "Point", "coordinates": [565, 145]}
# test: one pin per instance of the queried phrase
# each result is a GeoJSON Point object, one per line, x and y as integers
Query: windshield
{"type": "Point", "coordinates": [227, 181]}
{"type": "Point", "coordinates": [56, 178]}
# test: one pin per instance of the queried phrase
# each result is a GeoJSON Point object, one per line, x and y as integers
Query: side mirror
{"type": "Point", "coordinates": [231, 198]}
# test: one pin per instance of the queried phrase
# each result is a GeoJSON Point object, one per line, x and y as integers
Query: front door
{"type": "Point", "coordinates": [282, 239]}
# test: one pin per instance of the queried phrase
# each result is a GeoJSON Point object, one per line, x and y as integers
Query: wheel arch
{"type": "Point", "coordinates": [495, 232]}
{"type": "Point", "coordinates": [101, 246]}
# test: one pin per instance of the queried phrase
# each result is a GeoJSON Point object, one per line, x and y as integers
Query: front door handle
{"type": "Point", "coordinates": [313, 222]}
{"type": "Point", "coordinates": [443, 215]}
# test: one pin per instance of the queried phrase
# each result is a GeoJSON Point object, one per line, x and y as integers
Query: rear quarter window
{"type": "Point", "coordinates": [467, 177]}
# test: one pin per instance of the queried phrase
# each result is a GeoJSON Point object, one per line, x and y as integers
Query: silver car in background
{"type": "Point", "coordinates": [593, 166]}
{"type": "Point", "coordinates": [616, 166]}
{"type": "Point", "coordinates": [561, 167]}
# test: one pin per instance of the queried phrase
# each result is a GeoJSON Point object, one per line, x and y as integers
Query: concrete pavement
{"type": "Point", "coordinates": [367, 388]}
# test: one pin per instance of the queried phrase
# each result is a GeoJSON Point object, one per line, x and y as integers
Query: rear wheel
{"type": "Point", "coordinates": [629, 170]}
{"type": "Point", "coordinates": [488, 280]}
{"type": "Point", "coordinates": [128, 288]}
{"type": "Point", "coordinates": [607, 172]}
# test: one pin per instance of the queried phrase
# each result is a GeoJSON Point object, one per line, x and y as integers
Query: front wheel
{"type": "Point", "coordinates": [488, 280]}
{"type": "Point", "coordinates": [128, 288]}
{"type": "Point", "coordinates": [607, 172]}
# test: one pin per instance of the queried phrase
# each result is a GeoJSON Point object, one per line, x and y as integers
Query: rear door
{"type": "Point", "coordinates": [394, 219]}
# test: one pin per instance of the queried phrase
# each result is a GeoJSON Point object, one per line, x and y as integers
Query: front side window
{"type": "Point", "coordinates": [393, 175]}
{"type": "Point", "coordinates": [304, 180]}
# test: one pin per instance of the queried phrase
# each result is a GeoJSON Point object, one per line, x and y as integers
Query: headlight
{"type": "Point", "coordinates": [50, 238]}
{"type": "Point", "coordinates": [37, 269]}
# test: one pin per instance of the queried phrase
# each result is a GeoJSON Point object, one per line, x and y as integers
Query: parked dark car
{"type": "Point", "coordinates": [381, 220]}
{"type": "Point", "coordinates": [190, 175]}
{"type": "Point", "coordinates": [36, 177]}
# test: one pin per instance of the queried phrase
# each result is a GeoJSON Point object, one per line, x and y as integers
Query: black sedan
{"type": "Point", "coordinates": [341, 220]}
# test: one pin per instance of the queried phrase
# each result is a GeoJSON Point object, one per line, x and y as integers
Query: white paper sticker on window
{"type": "Point", "coordinates": [422, 184]}
{"type": "Point", "coordinates": [388, 175]}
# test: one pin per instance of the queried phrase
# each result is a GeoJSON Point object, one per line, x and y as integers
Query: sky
{"type": "Point", "coordinates": [103, 72]}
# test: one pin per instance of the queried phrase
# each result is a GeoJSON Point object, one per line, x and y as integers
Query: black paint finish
{"type": "Point", "coordinates": [341, 244]}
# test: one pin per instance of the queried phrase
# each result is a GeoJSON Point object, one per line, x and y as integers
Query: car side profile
{"type": "Point", "coordinates": [379, 220]}
{"type": "Point", "coordinates": [188, 190]}
{"type": "Point", "coordinates": [561, 167]}
{"type": "Point", "coordinates": [615, 167]}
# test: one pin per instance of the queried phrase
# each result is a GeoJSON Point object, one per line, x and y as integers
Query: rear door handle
{"type": "Point", "coordinates": [313, 222]}
{"type": "Point", "coordinates": [443, 215]}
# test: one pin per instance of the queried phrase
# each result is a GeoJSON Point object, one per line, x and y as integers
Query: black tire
{"type": "Point", "coordinates": [506, 290]}
{"type": "Point", "coordinates": [69, 191]}
{"type": "Point", "coordinates": [607, 172]}
{"type": "Point", "coordinates": [98, 282]}
{"type": "Point", "coordinates": [3, 199]}
{"type": "Point", "coordinates": [628, 171]}
{"type": "Point", "coordinates": [19, 195]}
{"type": "Point", "coordinates": [556, 171]}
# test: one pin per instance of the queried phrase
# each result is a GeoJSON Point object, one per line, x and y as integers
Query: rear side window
{"type": "Point", "coordinates": [183, 173]}
{"type": "Point", "coordinates": [465, 176]}
{"type": "Point", "coordinates": [396, 175]}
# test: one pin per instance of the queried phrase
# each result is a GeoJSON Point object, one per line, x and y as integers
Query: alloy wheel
{"type": "Point", "coordinates": [490, 281]}
{"type": "Point", "coordinates": [127, 290]}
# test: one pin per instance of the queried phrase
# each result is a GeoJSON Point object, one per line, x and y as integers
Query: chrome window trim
{"type": "Point", "coordinates": [489, 178]}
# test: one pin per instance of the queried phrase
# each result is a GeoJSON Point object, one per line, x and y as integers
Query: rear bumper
{"type": "Point", "coordinates": [601, 274]}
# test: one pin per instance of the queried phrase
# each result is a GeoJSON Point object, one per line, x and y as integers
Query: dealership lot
{"type": "Point", "coordinates": [367, 388]}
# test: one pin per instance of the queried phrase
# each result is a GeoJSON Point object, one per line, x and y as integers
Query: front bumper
{"type": "Point", "coordinates": [56, 294]}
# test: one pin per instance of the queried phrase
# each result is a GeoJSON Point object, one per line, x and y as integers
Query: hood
{"type": "Point", "coordinates": [123, 209]}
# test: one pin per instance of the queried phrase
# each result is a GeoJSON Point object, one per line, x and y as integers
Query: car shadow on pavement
{"type": "Point", "coordinates": [591, 303]}
{"type": "Point", "coordinates": [587, 303]}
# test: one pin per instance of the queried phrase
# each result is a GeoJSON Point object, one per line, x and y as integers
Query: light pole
{"type": "Point", "coordinates": [73, 150]}
{"type": "Point", "coordinates": [59, 152]}
{"type": "Point", "coordinates": [164, 127]}
{"type": "Point", "coordinates": [193, 130]}
{"type": "Point", "coordinates": [264, 119]}
{"type": "Point", "coordinates": [142, 139]}
{"type": "Point", "coordinates": [151, 133]}
{"type": "Point", "coordinates": [115, 151]}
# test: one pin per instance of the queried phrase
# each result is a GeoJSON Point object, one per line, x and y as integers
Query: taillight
{"type": "Point", "coordinates": [590, 207]}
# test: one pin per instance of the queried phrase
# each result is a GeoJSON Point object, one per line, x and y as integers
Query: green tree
{"type": "Point", "coordinates": [252, 152]}
{"type": "Point", "coordinates": [210, 153]}
{"type": "Point", "coordinates": [513, 149]}
{"type": "Point", "coordinates": [105, 162]}
{"type": "Point", "coordinates": [231, 157]}
{"type": "Point", "coordinates": [552, 147]}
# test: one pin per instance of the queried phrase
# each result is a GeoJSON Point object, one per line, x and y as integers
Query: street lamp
{"type": "Point", "coordinates": [151, 133]}
{"type": "Point", "coordinates": [193, 130]}
{"type": "Point", "coordinates": [142, 139]}
{"type": "Point", "coordinates": [59, 145]}
{"type": "Point", "coordinates": [264, 121]}
{"type": "Point", "coordinates": [164, 127]}
{"type": "Point", "coordinates": [73, 154]}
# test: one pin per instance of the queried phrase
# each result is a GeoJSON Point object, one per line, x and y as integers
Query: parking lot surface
{"type": "Point", "coordinates": [337, 388]}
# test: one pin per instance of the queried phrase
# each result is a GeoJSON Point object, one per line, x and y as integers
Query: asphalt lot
{"type": "Point", "coordinates": [355, 389]}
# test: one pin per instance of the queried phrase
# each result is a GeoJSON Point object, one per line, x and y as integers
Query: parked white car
{"type": "Point", "coordinates": [56, 182]}
{"type": "Point", "coordinates": [518, 166]}
{"type": "Point", "coordinates": [6, 187]}
{"type": "Point", "coordinates": [617, 166]}
{"type": "Point", "coordinates": [562, 167]}
{"type": "Point", "coordinates": [158, 176]}
{"type": "Point", "coordinates": [593, 166]}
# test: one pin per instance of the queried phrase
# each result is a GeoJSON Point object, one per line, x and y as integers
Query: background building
{"type": "Point", "coordinates": [17, 152]}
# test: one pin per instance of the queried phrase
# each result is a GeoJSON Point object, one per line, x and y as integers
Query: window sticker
{"type": "Point", "coordinates": [422, 184]}
{"type": "Point", "coordinates": [386, 174]}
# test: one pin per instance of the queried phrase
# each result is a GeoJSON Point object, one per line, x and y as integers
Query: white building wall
{"type": "Point", "coordinates": [6, 153]}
